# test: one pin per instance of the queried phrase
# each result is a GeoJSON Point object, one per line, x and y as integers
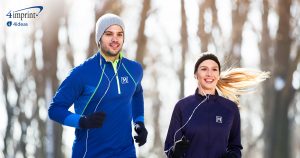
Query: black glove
{"type": "Point", "coordinates": [95, 120]}
{"type": "Point", "coordinates": [180, 147]}
{"type": "Point", "coordinates": [142, 133]}
{"type": "Point", "coordinates": [229, 155]}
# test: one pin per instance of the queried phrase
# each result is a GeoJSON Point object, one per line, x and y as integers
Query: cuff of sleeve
{"type": "Point", "coordinates": [72, 120]}
{"type": "Point", "coordinates": [139, 119]}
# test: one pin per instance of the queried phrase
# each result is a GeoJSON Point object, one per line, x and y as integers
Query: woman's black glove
{"type": "Point", "coordinates": [142, 133]}
{"type": "Point", "coordinates": [229, 155]}
{"type": "Point", "coordinates": [94, 120]}
{"type": "Point", "coordinates": [180, 147]}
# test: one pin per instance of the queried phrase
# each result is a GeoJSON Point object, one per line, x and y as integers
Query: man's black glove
{"type": "Point", "coordinates": [180, 147]}
{"type": "Point", "coordinates": [94, 120]}
{"type": "Point", "coordinates": [229, 155]}
{"type": "Point", "coordinates": [142, 133]}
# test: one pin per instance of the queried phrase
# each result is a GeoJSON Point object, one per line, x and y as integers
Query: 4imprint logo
{"type": "Point", "coordinates": [16, 17]}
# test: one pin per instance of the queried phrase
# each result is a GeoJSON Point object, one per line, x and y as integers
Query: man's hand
{"type": "Point", "coordinates": [95, 120]}
{"type": "Point", "coordinates": [142, 133]}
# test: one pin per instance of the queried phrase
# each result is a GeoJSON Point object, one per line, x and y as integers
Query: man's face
{"type": "Point", "coordinates": [112, 41]}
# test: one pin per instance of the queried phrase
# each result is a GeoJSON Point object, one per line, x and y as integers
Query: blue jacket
{"type": "Point", "coordinates": [213, 130]}
{"type": "Point", "coordinates": [88, 87]}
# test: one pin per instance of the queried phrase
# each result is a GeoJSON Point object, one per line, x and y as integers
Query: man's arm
{"type": "Point", "coordinates": [65, 96]}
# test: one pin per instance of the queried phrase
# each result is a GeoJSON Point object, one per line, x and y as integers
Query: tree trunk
{"type": "Point", "coordinates": [205, 35]}
{"type": "Point", "coordinates": [266, 64]}
{"type": "Point", "coordinates": [239, 17]}
{"type": "Point", "coordinates": [141, 38]}
{"type": "Point", "coordinates": [277, 125]}
{"type": "Point", "coordinates": [49, 46]}
{"type": "Point", "coordinates": [9, 108]}
{"type": "Point", "coordinates": [184, 48]}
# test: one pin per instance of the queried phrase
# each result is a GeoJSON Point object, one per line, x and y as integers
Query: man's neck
{"type": "Point", "coordinates": [109, 57]}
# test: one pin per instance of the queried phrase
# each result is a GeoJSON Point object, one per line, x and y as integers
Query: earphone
{"type": "Point", "coordinates": [105, 92]}
{"type": "Point", "coordinates": [174, 137]}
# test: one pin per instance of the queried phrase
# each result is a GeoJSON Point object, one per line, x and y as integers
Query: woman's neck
{"type": "Point", "coordinates": [205, 92]}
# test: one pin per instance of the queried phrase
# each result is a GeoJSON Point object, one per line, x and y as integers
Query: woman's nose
{"type": "Point", "coordinates": [208, 73]}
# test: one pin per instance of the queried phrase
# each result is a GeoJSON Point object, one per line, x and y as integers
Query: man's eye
{"type": "Point", "coordinates": [108, 34]}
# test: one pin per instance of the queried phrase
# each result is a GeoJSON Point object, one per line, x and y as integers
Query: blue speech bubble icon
{"type": "Point", "coordinates": [9, 23]}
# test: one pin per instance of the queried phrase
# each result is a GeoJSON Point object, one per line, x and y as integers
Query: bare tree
{"type": "Point", "coordinates": [141, 38]}
{"type": "Point", "coordinates": [279, 141]}
{"type": "Point", "coordinates": [184, 48]}
{"type": "Point", "coordinates": [50, 46]}
{"type": "Point", "coordinates": [277, 98]}
{"type": "Point", "coordinates": [207, 7]}
{"type": "Point", "coordinates": [141, 54]}
{"type": "Point", "coordinates": [266, 64]}
{"type": "Point", "coordinates": [7, 77]}
{"type": "Point", "coordinates": [16, 111]}
{"type": "Point", "coordinates": [40, 92]}
{"type": "Point", "coordinates": [239, 17]}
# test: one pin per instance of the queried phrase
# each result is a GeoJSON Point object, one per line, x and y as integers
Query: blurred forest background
{"type": "Point", "coordinates": [166, 37]}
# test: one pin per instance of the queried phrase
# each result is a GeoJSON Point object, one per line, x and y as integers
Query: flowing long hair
{"type": "Point", "coordinates": [235, 81]}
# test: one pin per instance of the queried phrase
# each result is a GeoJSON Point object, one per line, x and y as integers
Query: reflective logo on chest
{"type": "Point", "coordinates": [124, 80]}
{"type": "Point", "coordinates": [219, 119]}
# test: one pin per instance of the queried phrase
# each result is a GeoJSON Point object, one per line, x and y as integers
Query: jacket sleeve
{"type": "Point", "coordinates": [138, 99]}
{"type": "Point", "coordinates": [67, 93]}
{"type": "Point", "coordinates": [234, 141]}
{"type": "Point", "coordinates": [174, 126]}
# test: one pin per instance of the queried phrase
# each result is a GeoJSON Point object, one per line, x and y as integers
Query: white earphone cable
{"type": "Point", "coordinates": [107, 88]}
{"type": "Point", "coordinates": [174, 139]}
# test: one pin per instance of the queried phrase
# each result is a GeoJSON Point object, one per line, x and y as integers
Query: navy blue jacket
{"type": "Point", "coordinates": [213, 130]}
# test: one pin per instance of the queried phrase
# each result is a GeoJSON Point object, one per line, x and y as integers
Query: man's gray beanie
{"type": "Point", "coordinates": [106, 21]}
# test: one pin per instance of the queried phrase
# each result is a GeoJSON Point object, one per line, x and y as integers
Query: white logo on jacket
{"type": "Point", "coordinates": [219, 119]}
{"type": "Point", "coordinates": [124, 80]}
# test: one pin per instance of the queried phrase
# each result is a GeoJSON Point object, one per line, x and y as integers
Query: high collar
{"type": "Point", "coordinates": [210, 96]}
{"type": "Point", "coordinates": [104, 61]}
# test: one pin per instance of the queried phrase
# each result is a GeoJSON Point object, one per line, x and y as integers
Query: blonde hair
{"type": "Point", "coordinates": [237, 81]}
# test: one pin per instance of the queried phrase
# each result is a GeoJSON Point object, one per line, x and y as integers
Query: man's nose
{"type": "Point", "coordinates": [114, 38]}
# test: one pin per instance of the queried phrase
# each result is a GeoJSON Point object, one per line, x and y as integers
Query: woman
{"type": "Point", "coordinates": [206, 124]}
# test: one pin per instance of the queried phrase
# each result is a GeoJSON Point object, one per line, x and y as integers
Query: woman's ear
{"type": "Point", "coordinates": [218, 78]}
{"type": "Point", "coordinates": [196, 77]}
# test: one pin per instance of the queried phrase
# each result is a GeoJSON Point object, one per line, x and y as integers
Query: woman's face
{"type": "Point", "coordinates": [208, 75]}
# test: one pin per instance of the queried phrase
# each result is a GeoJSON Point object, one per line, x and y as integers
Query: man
{"type": "Point", "coordinates": [107, 95]}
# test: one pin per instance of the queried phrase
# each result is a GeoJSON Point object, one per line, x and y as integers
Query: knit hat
{"type": "Point", "coordinates": [207, 56]}
{"type": "Point", "coordinates": [104, 22]}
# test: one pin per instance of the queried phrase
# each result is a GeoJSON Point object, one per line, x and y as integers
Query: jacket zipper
{"type": "Point", "coordinates": [117, 77]}
{"type": "Point", "coordinates": [118, 84]}
{"type": "Point", "coordinates": [208, 129]}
